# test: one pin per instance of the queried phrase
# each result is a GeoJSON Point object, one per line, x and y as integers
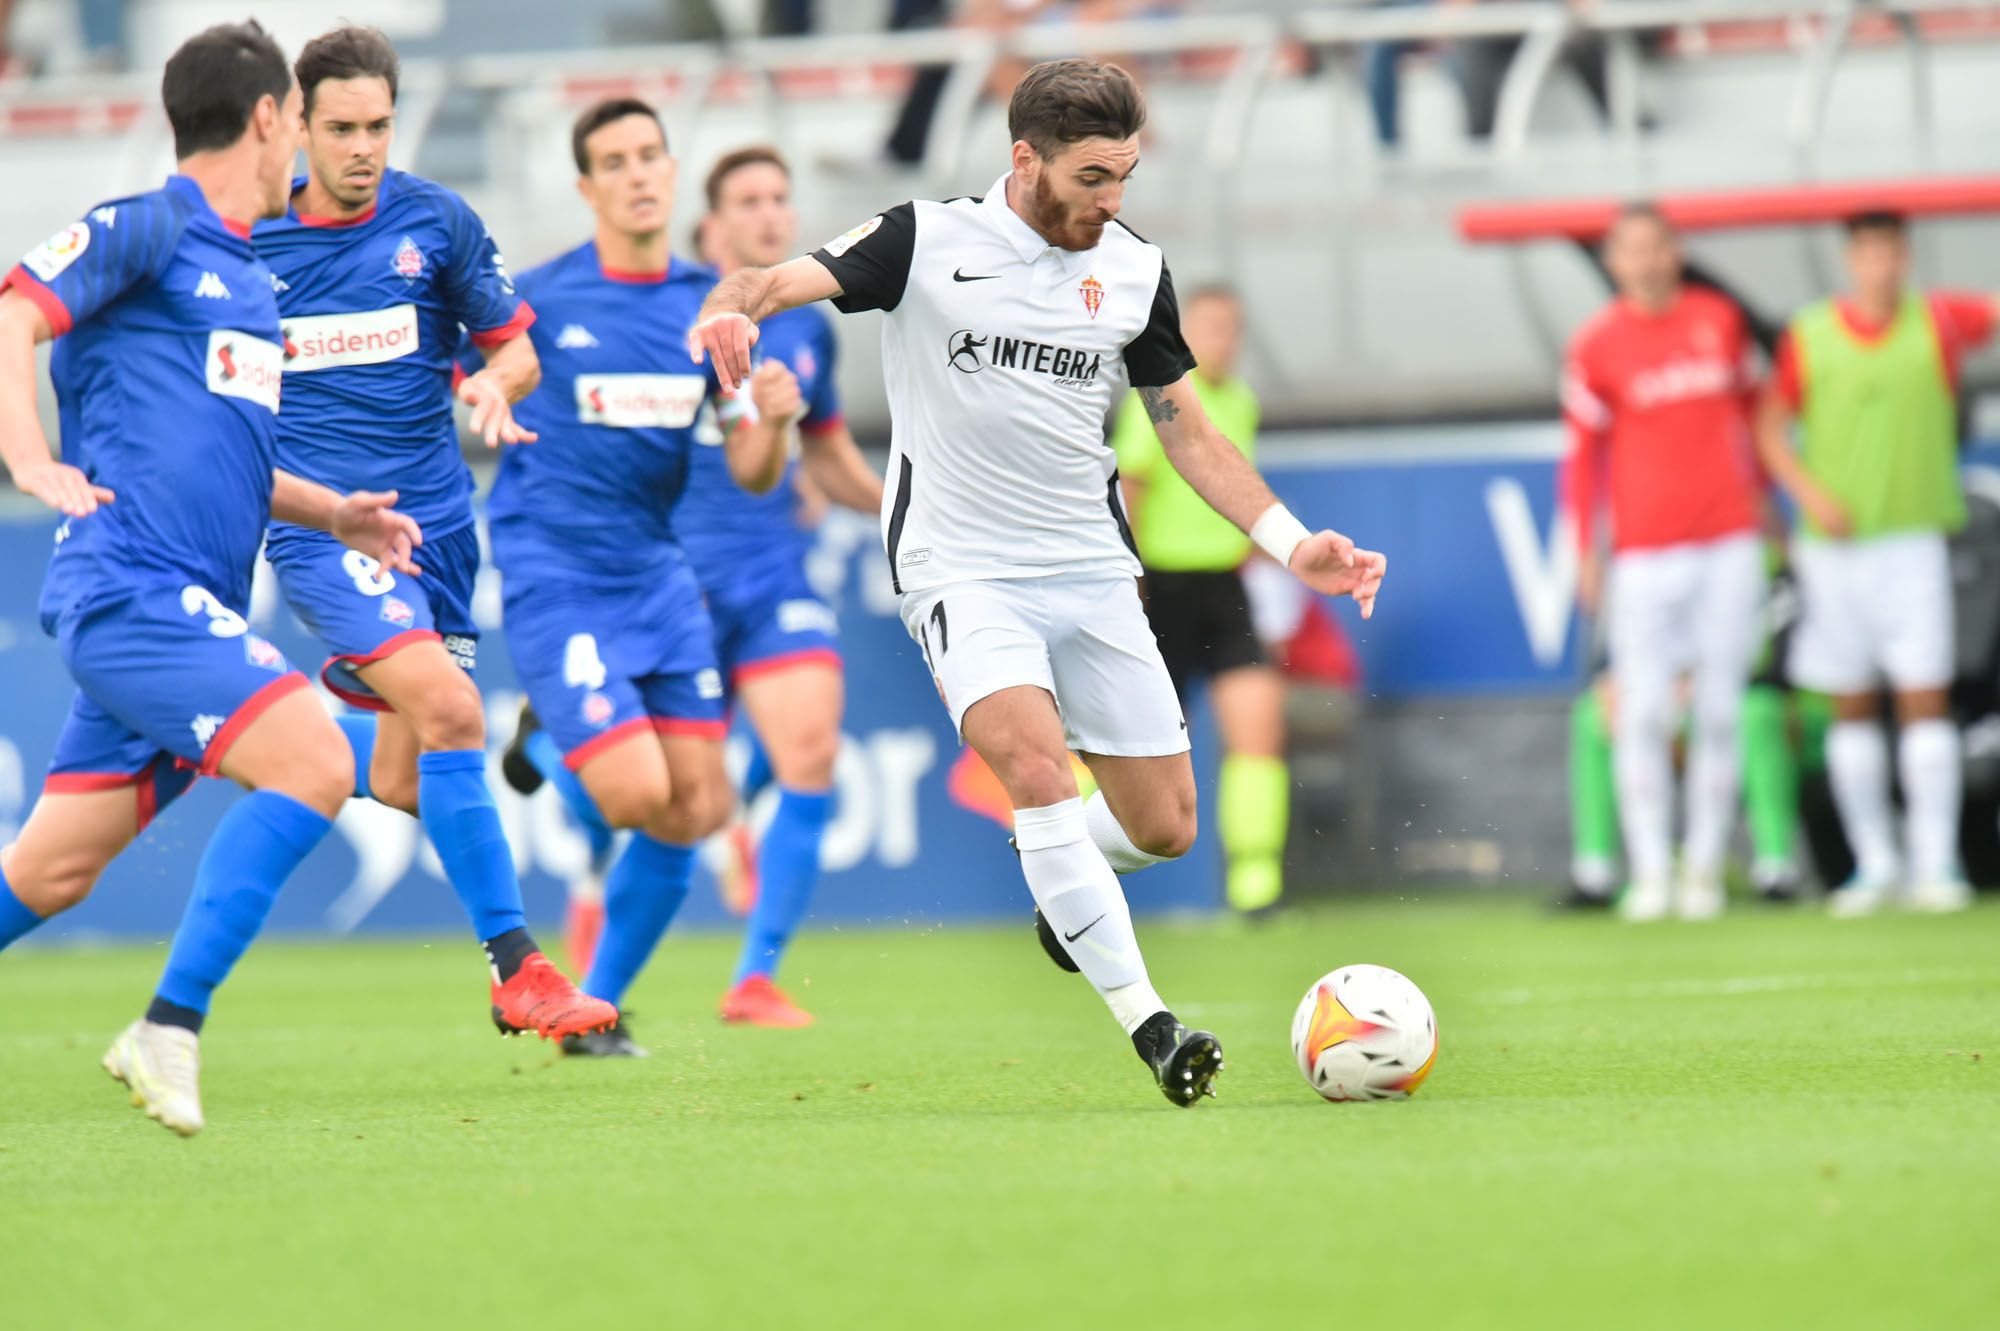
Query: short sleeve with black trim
{"type": "Point", "coordinates": [872, 262]}
{"type": "Point", "coordinates": [1159, 356]}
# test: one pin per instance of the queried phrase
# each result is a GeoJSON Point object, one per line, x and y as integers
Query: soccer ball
{"type": "Point", "coordinates": [1365, 1033]}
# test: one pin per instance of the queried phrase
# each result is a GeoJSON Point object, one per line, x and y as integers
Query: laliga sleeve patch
{"type": "Point", "coordinates": [48, 259]}
{"type": "Point", "coordinates": [846, 241]}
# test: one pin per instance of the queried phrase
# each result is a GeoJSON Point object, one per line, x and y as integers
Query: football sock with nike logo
{"type": "Point", "coordinates": [1080, 898]}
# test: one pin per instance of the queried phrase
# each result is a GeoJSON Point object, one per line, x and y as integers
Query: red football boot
{"type": "Point", "coordinates": [581, 928]}
{"type": "Point", "coordinates": [541, 999]}
{"type": "Point", "coordinates": [758, 1002]}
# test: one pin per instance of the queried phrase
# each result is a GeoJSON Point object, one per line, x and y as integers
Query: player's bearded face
{"type": "Point", "coordinates": [1645, 260]}
{"type": "Point", "coordinates": [1073, 195]}
{"type": "Point", "coordinates": [347, 137]}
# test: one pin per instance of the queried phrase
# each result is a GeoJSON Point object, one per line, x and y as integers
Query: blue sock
{"type": "Point", "coordinates": [547, 758]}
{"type": "Point", "coordinates": [359, 727]}
{"type": "Point", "coordinates": [459, 817]}
{"type": "Point", "coordinates": [253, 850]}
{"type": "Point", "coordinates": [15, 917]}
{"type": "Point", "coordinates": [758, 774]}
{"type": "Point", "coordinates": [645, 888]}
{"type": "Point", "coordinates": [787, 872]}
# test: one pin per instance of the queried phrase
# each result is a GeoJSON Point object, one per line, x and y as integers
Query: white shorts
{"type": "Point", "coordinates": [1692, 606]}
{"type": "Point", "coordinates": [1082, 636]}
{"type": "Point", "coordinates": [1872, 610]}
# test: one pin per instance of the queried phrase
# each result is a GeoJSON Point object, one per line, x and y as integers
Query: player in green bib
{"type": "Point", "coordinates": [1870, 380]}
{"type": "Point", "coordinates": [1196, 600]}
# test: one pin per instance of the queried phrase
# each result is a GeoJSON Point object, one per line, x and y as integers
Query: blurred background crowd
{"type": "Point", "coordinates": [1320, 169]}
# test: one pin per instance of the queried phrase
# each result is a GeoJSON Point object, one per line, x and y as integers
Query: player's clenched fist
{"type": "Point", "coordinates": [63, 488]}
{"type": "Point", "coordinates": [727, 338]}
{"type": "Point", "coordinates": [775, 391]}
{"type": "Point", "coordinates": [1328, 562]}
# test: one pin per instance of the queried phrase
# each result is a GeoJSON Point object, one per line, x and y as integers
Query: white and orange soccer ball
{"type": "Point", "coordinates": [1365, 1033]}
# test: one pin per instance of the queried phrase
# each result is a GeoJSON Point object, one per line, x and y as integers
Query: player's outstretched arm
{"type": "Point", "coordinates": [23, 446]}
{"type": "Point", "coordinates": [834, 462]}
{"type": "Point", "coordinates": [726, 328]}
{"type": "Point", "coordinates": [365, 520]}
{"type": "Point", "coordinates": [1326, 561]}
{"type": "Point", "coordinates": [512, 371]}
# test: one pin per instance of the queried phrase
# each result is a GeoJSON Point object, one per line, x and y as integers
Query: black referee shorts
{"type": "Point", "coordinates": [1203, 623]}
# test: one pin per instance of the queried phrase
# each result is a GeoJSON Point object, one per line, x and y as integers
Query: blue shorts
{"type": "Point", "coordinates": [365, 614]}
{"type": "Point", "coordinates": [167, 678]}
{"type": "Point", "coordinates": [770, 622]}
{"type": "Point", "coordinates": [600, 664]}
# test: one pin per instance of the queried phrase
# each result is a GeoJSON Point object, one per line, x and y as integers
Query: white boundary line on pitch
{"type": "Point", "coordinates": [1730, 985]}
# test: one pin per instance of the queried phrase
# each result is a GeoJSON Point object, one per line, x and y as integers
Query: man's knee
{"type": "Point", "coordinates": [55, 885]}
{"type": "Point", "coordinates": [806, 759]}
{"type": "Point", "coordinates": [698, 809]}
{"type": "Point", "coordinates": [1166, 829]}
{"type": "Point", "coordinates": [316, 768]}
{"type": "Point", "coordinates": [448, 715]}
{"type": "Point", "coordinates": [640, 806]}
{"type": "Point", "coordinates": [1033, 779]}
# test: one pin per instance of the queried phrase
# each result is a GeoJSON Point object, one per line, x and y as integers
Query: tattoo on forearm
{"type": "Point", "coordinates": [1158, 409]}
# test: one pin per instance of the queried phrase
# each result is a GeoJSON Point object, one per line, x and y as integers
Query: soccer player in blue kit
{"type": "Point", "coordinates": [774, 636]}
{"type": "Point", "coordinates": [376, 271]}
{"type": "Point", "coordinates": [604, 617]}
{"type": "Point", "coordinates": [167, 372]}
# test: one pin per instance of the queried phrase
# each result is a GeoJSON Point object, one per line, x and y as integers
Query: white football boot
{"type": "Point", "coordinates": [1699, 897]}
{"type": "Point", "coordinates": [1645, 900]}
{"type": "Point", "coordinates": [1939, 896]}
{"type": "Point", "coordinates": [1861, 896]}
{"type": "Point", "coordinates": [162, 1066]}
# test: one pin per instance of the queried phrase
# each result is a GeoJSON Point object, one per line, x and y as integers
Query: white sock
{"type": "Point", "coordinates": [1642, 762]}
{"type": "Point", "coordinates": [1081, 900]}
{"type": "Point", "coordinates": [1714, 773]}
{"type": "Point", "coordinates": [1109, 835]}
{"type": "Point", "coordinates": [1927, 754]}
{"type": "Point", "coordinates": [1857, 766]}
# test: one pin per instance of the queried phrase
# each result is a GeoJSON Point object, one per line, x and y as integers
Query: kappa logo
{"type": "Point", "coordinates": [279, 286]}
{"type": "Point", "coordinates": [106, 217]}
{"type": "Point", "coordinates": [409, 260]}
{"type": "Point", "coordinates": [205, 726]}
{"type": "Point", "coordinates": [575, 337]}
{"type": "Point", "coordinates": [211, 288]}
{"type": "Point", "coordinates": [1093, 294]}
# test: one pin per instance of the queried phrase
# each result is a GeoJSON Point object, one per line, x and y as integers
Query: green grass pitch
{"type": "Point", "coordinates": [1774, 1121]}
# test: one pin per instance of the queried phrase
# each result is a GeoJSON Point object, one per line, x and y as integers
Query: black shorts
{"type": "Point", "coordinates": [1203, 623]}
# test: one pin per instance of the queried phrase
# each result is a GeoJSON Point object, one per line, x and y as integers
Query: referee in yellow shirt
{"type": "Point", "coordinates": [1199, 610]}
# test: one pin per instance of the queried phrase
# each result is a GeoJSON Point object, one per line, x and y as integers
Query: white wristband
{"type": "Point", "coordinates": [1278, 534]}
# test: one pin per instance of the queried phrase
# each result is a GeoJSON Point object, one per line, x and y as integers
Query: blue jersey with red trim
{"type": "Point", "coordinates": [167, 371]}
{"type": "Point", "coordinates": [725, 529]}
{"type": "Point", "coordinates": [619, 409]}
{"type": "Point", "coordinates": [372, 310]}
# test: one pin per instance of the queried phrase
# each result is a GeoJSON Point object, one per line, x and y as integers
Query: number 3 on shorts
{"type": "Point", "coordinates": [222, 621]}
{"type": "Point", "coordinates": [369, 579]}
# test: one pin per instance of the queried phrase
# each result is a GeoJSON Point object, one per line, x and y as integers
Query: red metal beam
{"type": "Point", "coordinates": [1735, 209]}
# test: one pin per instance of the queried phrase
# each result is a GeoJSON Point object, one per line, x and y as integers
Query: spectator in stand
{"type": "Point", "coordinates": [1871, 380]}
{"type": "Point", "coordinates": [1656, 393]}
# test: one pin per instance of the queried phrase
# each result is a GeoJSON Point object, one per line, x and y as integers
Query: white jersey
{"type": "Point", "coordinates": [1002, 356]}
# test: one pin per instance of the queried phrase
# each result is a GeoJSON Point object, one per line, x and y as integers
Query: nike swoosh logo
{"type": "Point", "coordinates": [958, 275]}
{"type": "Point", "coordinates": [1071, 938]}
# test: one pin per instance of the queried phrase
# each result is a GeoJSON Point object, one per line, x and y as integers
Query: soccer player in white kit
{"type": "Point", "coordinates": [1015, 322]}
